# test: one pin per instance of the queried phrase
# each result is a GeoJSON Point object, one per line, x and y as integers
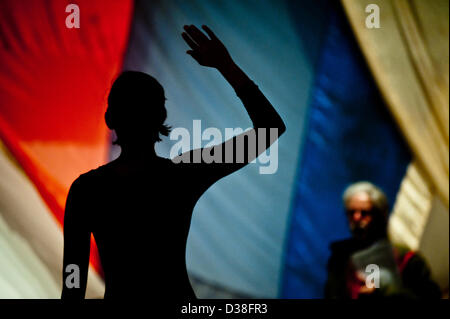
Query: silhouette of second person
{"type": "Point", "coordinates": [139, 206]}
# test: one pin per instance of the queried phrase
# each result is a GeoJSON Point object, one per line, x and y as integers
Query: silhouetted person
{"type": "Point", "coordinates": [139, 206]}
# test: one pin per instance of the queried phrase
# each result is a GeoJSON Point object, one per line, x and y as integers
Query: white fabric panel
{"type": "Point", "coordinates": [22, 273]}
{"type": "Point", "coordinates": [238, 228]}
{"type": "Point", "coordinates": [31, 241]}
{"type": "Point", "coordinates": [434, 244]}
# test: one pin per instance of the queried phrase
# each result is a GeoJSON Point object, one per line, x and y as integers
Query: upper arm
{"type": "Point", "coordinates": [209, 164]}
{"type": "Point", "coordinates": [217, 161]}
{"type": "Point", "coordinates": [76, 241]}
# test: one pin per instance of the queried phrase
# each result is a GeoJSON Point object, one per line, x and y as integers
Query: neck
{"type": "Point", "coordinates": [369, 240]}
{"type": "Point", "coordinates": [137, 154]}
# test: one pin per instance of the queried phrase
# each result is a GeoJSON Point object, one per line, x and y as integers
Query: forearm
{"type": "Point", "coordinates": [260, 110]}
{"type": "Point", "coordinates": [234, 75]}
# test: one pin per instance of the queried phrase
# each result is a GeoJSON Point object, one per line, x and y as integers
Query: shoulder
{"type": "Point", "coordinates": [402, 250]}
{"type": "Point", "coordinates": [90, 179]}
{"type": "Point", "coordinates": [411, 262]}
{"type": "Point", "coordinates": [405, 255]}
{"type": "Point", "coordinates": [410, 258]}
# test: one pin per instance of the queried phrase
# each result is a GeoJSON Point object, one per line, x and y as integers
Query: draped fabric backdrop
{"type": "Point", "coordinates": [409, 59]}
{"type": "Point", "coordinates": [251, 235]}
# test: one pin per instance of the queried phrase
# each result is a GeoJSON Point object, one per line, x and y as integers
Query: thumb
{"type": "Point", "coordinates": [193, 55]}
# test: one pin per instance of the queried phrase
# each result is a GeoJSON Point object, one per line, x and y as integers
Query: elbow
{"type": "Point", "coordinates": [281, 128]}
{"type": "Point", "coordinates": [277, 124]}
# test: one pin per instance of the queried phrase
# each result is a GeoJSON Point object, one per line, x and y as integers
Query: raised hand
{"type": "Point", "coordinates": [206, 51]}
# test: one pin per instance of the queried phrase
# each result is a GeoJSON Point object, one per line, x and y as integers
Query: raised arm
{"type": "Point", "coordinates": [210, 52]}
{"type": "Point", "coordinates": [76, 244]}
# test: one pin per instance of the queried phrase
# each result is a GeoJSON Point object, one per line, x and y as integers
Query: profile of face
{"type": "Point", "coordinates": [136, 109]}
{"type": "Point", "coordinates": [361, 214]}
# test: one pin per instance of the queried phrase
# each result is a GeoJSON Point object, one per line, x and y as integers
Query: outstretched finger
{"type": "Point", "coordinates": [193, 55]}
{"type": "Point", "coordinates": [209, 32]}
{"type": "Point", "coordinates": [189, 41]}
{"type": "Point", "coordinates": [197, 35]}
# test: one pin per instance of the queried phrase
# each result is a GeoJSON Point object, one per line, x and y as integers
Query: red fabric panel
{"type": "Point", "coordinates": [53, 87]}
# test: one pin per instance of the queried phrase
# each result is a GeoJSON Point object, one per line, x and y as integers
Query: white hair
{"type": "Point", "coordinates": [376, 195]}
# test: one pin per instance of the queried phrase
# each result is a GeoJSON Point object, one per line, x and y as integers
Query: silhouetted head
{"type": "Point", "coordinates": [367, 211]}
{"type": "Point", "coordinates": [136, 109]}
